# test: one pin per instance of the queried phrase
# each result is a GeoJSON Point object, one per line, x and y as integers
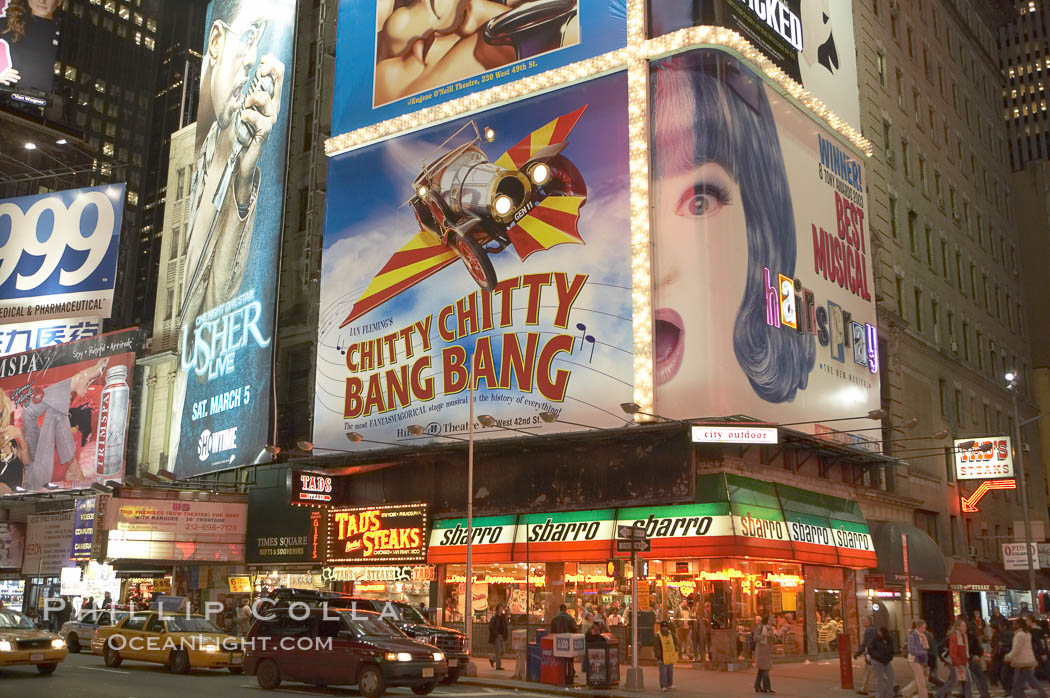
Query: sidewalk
{"type": "Point", "coordinates": [796, 680]}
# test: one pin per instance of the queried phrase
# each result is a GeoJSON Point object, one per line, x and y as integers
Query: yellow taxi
{"type": "Point", "coordinates": [22, 643]}
{"type": "Point", "coordinates": [180, 642]}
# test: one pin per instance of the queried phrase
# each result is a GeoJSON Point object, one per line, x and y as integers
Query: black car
{"type": "Point", "coordinates": [331, 647]}
{"type": "Point", "coordinates": [407, 619]}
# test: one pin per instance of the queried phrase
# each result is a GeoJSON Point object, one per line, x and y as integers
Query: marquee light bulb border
{"type": "Point", "coordinates": [635, 58]}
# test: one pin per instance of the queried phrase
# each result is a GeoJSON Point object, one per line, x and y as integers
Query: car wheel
{"type": "Point", "coordinates": [370, 682]}
{"type": "Point", "coordinates": [73, 643]}
{"type": "Point", "coordinates": [451, 677]}
{"type": "Point", "coordinates": [47, 668]}
{"type": "Point", "coordinates": [179, 663]}
{"type": "Point", "coordinates": [267, 674]}
{"type": "Point", "coordinates": [111, 656]}
{"type": "Point", "coordinates": [424, 689]}
{"type": "Point", "coordinates": [236, 670]}
{"type": "Point", "coordinates": [477, 262]}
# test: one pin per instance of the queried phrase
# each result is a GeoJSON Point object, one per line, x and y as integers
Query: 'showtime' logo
{"type": "Point", "coordinates": [217, 442]}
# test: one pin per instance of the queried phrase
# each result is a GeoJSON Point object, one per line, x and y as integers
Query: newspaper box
{"type": "Point", "coordinates": [553, 670]}
{"type": "Point", "coordinates": [603, 661]}
{"type": "Point", "coordinates": [519, 640]}
{"type": "Point", "coordinates": [569, 645]}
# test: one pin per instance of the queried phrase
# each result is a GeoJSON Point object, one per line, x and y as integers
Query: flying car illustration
{"type": "Point", "coordinates": [468, 207]}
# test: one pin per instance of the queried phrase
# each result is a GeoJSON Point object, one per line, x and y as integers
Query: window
{"type": "Point", "coordinates": [900, 88]}
{"type": "Point", "coordinates": [987, 420]}
{"type": "Point", "coordinates": [942, 388]}
{"type": "Point", "coordinates": [922, 175]}
{"type": "Point", "coordinates": [906, 157]}
{"type": "Point", "coordinates": [980, 350]}
{"type": "Point", "coordinates": [927, 522]}
{"type": "Point", "coordinates": [929, 247]}
{"type": "Point", "coordinates": [966, 340]}
{"type": "Point", "coordinates": [944, 258]}
{"type": "Point", "coordinates": [893, 217]}
{"type": "Point", "coordinates": [958, 270]}
{"type": "Point", "coordinates": [900, 296]}
{"type": "Point", "coordinates": [911, 49]}
{"type": "Point", "coordinates": [880, 66]}
{"type": "Point", "coordinates": [918, 310]}
{"type": "Point", "coordinates": [913, 223]}
{"type": "Point", "coordinates": [935, 310]}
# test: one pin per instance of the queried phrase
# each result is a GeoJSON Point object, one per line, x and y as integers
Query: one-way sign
{"type": "Point", "coordinates": [633, 546]}
{"type": "Point", "coordinates": [636, 532]}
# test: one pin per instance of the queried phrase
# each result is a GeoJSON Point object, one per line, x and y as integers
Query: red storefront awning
{"type": "Point", "coordinates": [969, 578]}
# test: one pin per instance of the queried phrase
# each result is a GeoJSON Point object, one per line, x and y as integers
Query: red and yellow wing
{"type": "Point", "coordinates": [422, 257]}
{"type": "Point", "coordinates": [550, 222]}
{"type": "Point", "coordinates": [554, 132]}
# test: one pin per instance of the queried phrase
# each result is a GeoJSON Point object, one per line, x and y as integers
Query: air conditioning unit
{"type": "Point", "coordinates": [972, 550]}
{"type": "Point", "coordinates": [895, 7]}
{"type": "Point", "coordinates": [954, 346]}
{"type": "Point", "coordinates": [940, 203]}
{"type": "Point", "coordinates": [891, 158]}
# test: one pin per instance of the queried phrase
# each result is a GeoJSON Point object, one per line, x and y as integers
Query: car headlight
{"type": "Point", "coordinates": [209, 648]}
{"type": "Point", "coordinates": [398, 657]}
{"type": "Point", "coordinates": [5, 646]}
{"type": "Point", "coordinates": [439, 656]}
{"type": "Point", "coordinates": [58, 643]}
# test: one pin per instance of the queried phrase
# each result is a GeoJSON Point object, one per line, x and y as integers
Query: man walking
{"type": "Point", "coordinates": [563, 623]}
{"type": "Point", "coordinates": [881, 653]}
{"type": "Point", "coordinates": [666, 648]}
{"type": "Point", "coordinates": [866, 637]}
{"type": "Point", "coordinates": [497, 636]}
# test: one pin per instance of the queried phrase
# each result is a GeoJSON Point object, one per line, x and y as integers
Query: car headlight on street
{"type": "Point", "coordinates": [5, 646]}
{"type": "Point", "coordinates": [58, 643]}
{"type": "Point", "coordinates": [439, 656]}
{"type": "Point", "coordinates": [398, 657]}
{"type": "Point", "coordinates": [209, 648]}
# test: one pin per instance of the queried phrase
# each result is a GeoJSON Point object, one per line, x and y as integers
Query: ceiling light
{"type": "Point", "coordinates": [30, 146]}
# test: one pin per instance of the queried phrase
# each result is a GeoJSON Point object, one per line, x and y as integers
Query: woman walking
{"type": "Point", "coordinates": [1022, 658]}
{"type": "Point", "coordinates": [918, 648]}
{"type": "Point", "coordinates": [763, 655]}
{"type": "Point", "coordinates": [958, 660]}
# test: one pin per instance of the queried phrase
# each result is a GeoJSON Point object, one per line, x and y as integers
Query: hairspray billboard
{"type": "Point", "coordinates": [393, 58]}
{"type": "Point", "coordinates": [59, 253]}
{"type": "Point", "coordinates": [810, 40]}
{"type": "Point", "coordinates": [222, 391]}
{"type": "Point", "coordinates": [64, 414]}
{"type": "Point", "coordinates": [495, 246]}
{"type": "Point", "coordinates": [764, 297]}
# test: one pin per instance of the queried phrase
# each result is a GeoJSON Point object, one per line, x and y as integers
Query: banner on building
{"type": "Point", "coordinates": [29, 38]}
{"type": "Point", "coordinates": [511, 261]}
{"type": "Point", "coordinates": [27, 336]}
{"type": "Point", "coordinates": [222, 388]}
{"type": "Point", "coordinates": [984, 458]}
{"type": "Point", "coordinates": [84, 524]}
{"type": "Point", "coordinates": [377, 535]}
{"type": "Point", "coordinates": [764, 299]}
{"type": "Point", "coordinates": [810, 40]}
{"type": "Point", "coordinates": [1015, 556]}
{"type": "Point", "coordinates": [59, 257]}
{"type": "Point", "coordinates": [47, 544]}
{"type": "Point", "coordinates": [12, 545]}
{"type": "Point", "coordinates": [66, 410]}
{"type": "Point", "coordinates": [395, 58]}
{"type": "Point", "coordinates": [280, 533]}
{"type": "Point", "coordinates": [176, 529]}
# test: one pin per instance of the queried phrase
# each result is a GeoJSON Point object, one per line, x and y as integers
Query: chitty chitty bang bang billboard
{"type": "Point", "coordinates": [497, 244]}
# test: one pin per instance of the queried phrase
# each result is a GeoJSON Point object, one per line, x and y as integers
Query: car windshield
{"type": "Point", "coordinates": [192, 625]}
{"type": "Point", "coordinates": [13, 619]}
{"type": "Point", "coordinates": [410, 614]}
{"type": "Point", "coordinates": [371, 626]}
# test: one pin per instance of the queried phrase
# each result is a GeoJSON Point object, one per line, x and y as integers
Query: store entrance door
{"type": "Point", "coordinates": [936, 611]}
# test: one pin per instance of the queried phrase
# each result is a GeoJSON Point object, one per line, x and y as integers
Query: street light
{"type": "Point", "coordinates": [1012, 385]}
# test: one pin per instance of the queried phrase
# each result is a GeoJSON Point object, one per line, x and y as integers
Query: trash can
{"type": "Point", "coordinates": [603, 661]}
{"type": "Point", "coordinates": [535, 657]}
{"type": "Point", "coordinates": [553, 670]}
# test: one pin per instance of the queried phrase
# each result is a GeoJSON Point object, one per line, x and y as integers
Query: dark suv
{"type": "Point", "coordinates": [407, 618]}
{"type": "Point", "coordinates": [331, 646]}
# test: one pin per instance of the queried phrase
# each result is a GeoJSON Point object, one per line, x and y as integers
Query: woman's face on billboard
{"type": "Point", "coordinates": [701, 261]}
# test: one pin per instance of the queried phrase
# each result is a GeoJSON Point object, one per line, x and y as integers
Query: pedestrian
{"type": "Point", "coordinates": [497, 636]}
{"type": "Point", "coordinates": [918, 648]}
{"type": "Point", "coordinates": [244, 617]}
{"type": "Point", "coordinates": [958, 660]}
{"type": "Point", "coordinates": [684, 632]}
{"type": "Point", "coordinates": [932, 659]}
{"type": "Point", "coordinates": [666, 647]}
{"type": "Point", "coordinates": [563, 623]}
{"type": "Point", "coordinates": [977, 666]}
{"type": "Point", "coordinates": [1022, 658]}
{"type": "Point", "coordinates": [107, 602]}
{"type": "Point", "coordinates": [593, 636]}
{"type": "Point", "coordinates": [763, 638]}
{"type": "Point", "coordinates": [1002, 644]}
{"type": "Point", "coordinates": [867, 635]}
{"type": "Point", "coordinates": [881, 653]}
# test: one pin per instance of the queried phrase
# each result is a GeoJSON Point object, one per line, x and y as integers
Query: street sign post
{"type": "Point", "coordinates": [632, 539]}
{"type": "Point", "coordinates": [633, 546]}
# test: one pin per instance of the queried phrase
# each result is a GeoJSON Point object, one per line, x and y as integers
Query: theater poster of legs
{"type": "Point", "coordinates": [499, 242]}
{"type": "Point", "coordinates": [222, 389]}
{"type": "Point", "coordinates": [765, 300]}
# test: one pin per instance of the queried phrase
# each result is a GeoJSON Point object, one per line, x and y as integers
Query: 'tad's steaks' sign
{"type": "Point", "coordinates": [377, 535]}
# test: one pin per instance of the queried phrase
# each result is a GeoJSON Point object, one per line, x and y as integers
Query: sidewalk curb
{"type": "Point", "coordinates": [536, 687]}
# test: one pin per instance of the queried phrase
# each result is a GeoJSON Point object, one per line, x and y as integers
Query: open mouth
{"type": "Point", "coordinates": [668, 344]}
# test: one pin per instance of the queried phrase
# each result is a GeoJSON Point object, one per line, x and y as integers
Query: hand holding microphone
{"type": "Point", "coordinates": [259, 111]}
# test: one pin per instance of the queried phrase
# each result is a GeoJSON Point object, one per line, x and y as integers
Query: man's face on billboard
{"type": "Point", "coordinates": [233, 52]}
{"type": "Point", "coordinates": [44, 8]}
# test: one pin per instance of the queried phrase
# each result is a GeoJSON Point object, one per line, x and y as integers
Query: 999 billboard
{"type": "Point", "coordinates": [222, 390]}
{"type": "Point", "coordinates": [764, 295]}
{"type": "Point", "coordinates": [29, 35]}
{"type": "Point", "coordinates": [64, 414]}
{"type": "Point", "coordinates": [495, 246]}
